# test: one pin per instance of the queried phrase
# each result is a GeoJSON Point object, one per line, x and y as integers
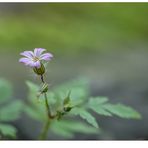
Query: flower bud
{"type": "Point", "coordinates": [39, 71]}
{"type": "Point", "coordinates": [67, 109]}
{"type": "Point", "coordinates": [44, 88]}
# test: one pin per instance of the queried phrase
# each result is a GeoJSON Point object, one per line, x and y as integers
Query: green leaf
{"type": "Point", "coordinates": [67, 128]}
{"type": "Point", "coordinates": [85, 115]}
{"type": "Point", "coordinates": [58, 130]}
{"type": "Point", "coordinates": [67, 99]}
{"type": "Point", "coordinates": [34, 113]}
{"type": "Point", "coordinates": [5, 90]}
{"type": "Point", "coordinates": [95, 104]}
{"type": "Point", "coordinates": [77, 126]}
{"type": "Point", "coordinates": [11, 111]}
{"type": "Point", "coordinates": [78, 89]}
{"type": "Point", "coordinates": [122, 111]}
{"type": "Point", "coordinates": [99, 106]}
{"type": "Point", "coordinates": [98, 100]}
{"type": "Point", "coordinates": [36, 107]}
{"type": "Point", "coordinates": [100, 110]}
{"type": "Point", "coordinates": [82, 82]}
{"type": "Point", "coordinates": [33, 87]}
{"type": "Point", "coordinates": [7, 130]}
{"type": "Point", "coordinates": [33, 90]}
{"type": "Point", "coordinates": [32, 96]}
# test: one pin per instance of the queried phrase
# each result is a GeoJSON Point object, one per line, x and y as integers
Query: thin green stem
{"type": "Point", "coordinates": [46, 99]}
{"type": "Point", "coordinates": [42, 79]}
{"type": "Point", "coordinates": [47, 106]}
{"type": "Point", "coordinates": [44, 132]}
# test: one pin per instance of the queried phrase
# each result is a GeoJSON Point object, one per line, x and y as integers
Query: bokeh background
{"type": "Point", "coordinates": [106, 42]}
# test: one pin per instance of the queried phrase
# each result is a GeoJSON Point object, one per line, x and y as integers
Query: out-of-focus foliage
{"type": "Point", "coordinates": [8, 130]}
{"type": "Point", "coordinates": [74, 98]}
{"type": "Point", "coordinates": [9, 109]}
{"type": "Point", "coordinates": [73, 27]}
{"type": "Point", "coordinates": [67, 128]}
{"type": "Point", "coordinates": [5, 91]}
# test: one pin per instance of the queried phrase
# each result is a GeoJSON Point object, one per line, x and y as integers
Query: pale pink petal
{"type": "Point", "coordinates": [38, 51]}
{"type": "Point", "coordinates": [28, 54]}
{"type": "Point", "coordinates": [24, 60]}
{"type": "Point", "coordinates": [46, 56]}
{"type": "Point", "coordinates": [30, 64]}
{"type": "Point", "coordinates": [36, 64]}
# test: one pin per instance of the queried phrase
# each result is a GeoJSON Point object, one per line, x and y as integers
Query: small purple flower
{"type": "Point", "coordinates": [34, 59]}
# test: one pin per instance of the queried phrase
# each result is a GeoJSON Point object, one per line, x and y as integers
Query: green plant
{"type": "Point", "coordinates": [9, 110]}
{"type": "Point", "coordinates": [72, 99]}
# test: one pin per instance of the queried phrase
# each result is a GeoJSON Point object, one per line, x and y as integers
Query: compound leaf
{"type": "Point", "coordinates": [85, 115]}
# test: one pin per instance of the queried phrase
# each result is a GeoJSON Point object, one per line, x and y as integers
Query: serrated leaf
{"type": "Point", "coordinates": [96, 104]}
{"type": "Point", "coordinates": [5, 90]}
{"type": "Point", "coordinates": [98, 100]}
{"type": "Point", "coordinates": [122, 111]}
{"type": "Point", "coordinates": [85, 115]}
{"type": "Point", "coordinates": [11, 111]}
{"type": "Point", "coordinates": [7, 130]}
{"type": "Point", "coordinates": [100, 110]}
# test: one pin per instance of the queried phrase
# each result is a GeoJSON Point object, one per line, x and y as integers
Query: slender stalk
{"type": "Point", "coordinates": [45, 96]}
{"type": "Point", "coordinates": [44, 132]}
{"type": "Point", "coordinates": [47, 106]}
{"type": "Point", "coordinates": [42, 79]}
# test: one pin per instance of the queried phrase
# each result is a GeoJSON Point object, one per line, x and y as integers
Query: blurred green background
{"type": "Point", "coordinates": [106, 42]}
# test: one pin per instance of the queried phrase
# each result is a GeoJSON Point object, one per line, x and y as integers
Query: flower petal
{"type": "Point", "coordinates": [27, 62]}
{"type": "Point", "coordinates": [30, 63]}
{"type": "Point", "coordinates": [46, 56]}
{"type": "Point", "coordinates": [28, 54]}
{"type": "Point", "coordinates": [24, 60]}
{"type": "Point", "coordinates": [36, 64]}
{"type": "Point", "coordinates": [38, 51]}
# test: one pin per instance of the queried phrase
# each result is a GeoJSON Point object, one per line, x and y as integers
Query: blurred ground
{"type": "Point", "coordinates": [106, 42]}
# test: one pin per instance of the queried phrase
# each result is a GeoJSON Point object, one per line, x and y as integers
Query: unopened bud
{"type": "Point", "coordinates": [67, 109]}
{"type": "Point", "coordinates": [39, 71]}
{"type": "Point", "coordinates": [44, 88]}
